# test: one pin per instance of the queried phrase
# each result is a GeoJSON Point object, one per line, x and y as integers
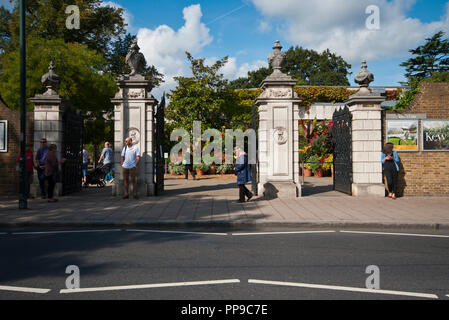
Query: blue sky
{"type": "Point", "coordinates": [245, 30]}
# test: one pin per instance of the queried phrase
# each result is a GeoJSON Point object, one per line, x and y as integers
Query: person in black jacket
{"type": "Point", "coordinates": [188, 164]}
{"type": "Point", "coordinates": [243, 172]}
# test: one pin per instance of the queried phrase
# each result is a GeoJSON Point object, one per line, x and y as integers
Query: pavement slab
{"type": "Point", "coordinates": [212, 201]}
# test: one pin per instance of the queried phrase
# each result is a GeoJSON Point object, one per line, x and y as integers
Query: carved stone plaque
{"type": "Point", "coordinates": [280, 135]}
{"type": "Point", "coordinates": [134, 134]}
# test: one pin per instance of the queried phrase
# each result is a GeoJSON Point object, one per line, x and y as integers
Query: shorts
{"type": "Point", "coordinates": [85, 166]}
{"type": "Point", "coordinates": [129, 173]}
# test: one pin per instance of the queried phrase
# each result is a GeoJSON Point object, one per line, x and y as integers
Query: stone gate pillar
{"type": "Point", "coordinates": [133, 117]}
{"type": "Point", "coordinates": [278, 154]}
{"type": "Point", "coordinates": [48, 122]}
{"type": "Point", "coordinates": [365, 107]}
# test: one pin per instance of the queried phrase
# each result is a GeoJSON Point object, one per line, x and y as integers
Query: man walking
{"type": "Point", "coordinates": [243, 174]}
{"type": "Point", "coordinates": [130, 161]}
{"type": "Point", "coordinates": [107, 155]}
{"type": "Point", "coordinates": [41, 156]}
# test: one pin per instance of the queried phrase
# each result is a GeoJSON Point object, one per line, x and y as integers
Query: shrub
{"type": "Point", "coordinates": [225, 168]}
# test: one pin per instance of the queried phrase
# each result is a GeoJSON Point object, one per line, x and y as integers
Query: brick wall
{"type": "Point", "coordinates": [425, 173]}
{"type": "Point", "coordinates": [9, 177]}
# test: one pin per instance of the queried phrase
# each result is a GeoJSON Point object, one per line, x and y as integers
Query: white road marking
{"type": "Point", "coordinates": [3, 233]}
{"type": "Point", "coordinates": [187, 232]}
{"type": "Point", "coordinates": [340, 288]}
{"type": "Point", "coordinates": [287, 232]}
{"type": "Point", "coordinates": [58, 232]}
{"type": "Point", "coordinates": [23, 289]}
{"type": "Point", "coordinates": [398, 234]}
{"type": "Point", "coordinates": [147, 286]}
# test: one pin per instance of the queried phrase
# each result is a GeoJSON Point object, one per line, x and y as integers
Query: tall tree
{"type": "Point", "coordinates": [308, 67]}
{"type": "Point", "coordinates": [201, 97]}
{"type": "Point", "coordinates": [5, 33]}
{"type": "Point", "coordinates": [429, 58]}
{"type": "Point", "coordinates": [99, 24]}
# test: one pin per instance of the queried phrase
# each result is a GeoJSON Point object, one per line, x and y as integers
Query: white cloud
{"type": "Point", "coordinates": [340, 26]}
{"type": "Point", "coordinates": [165, 48]}
{"type": "Point", "coordinates": [232, 71]}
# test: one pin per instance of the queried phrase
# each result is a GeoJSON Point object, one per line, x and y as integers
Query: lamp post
{"type": "Point", "coordinates": [23, 204]}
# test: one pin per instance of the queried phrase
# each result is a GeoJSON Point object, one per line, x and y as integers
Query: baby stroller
{"type": "Point", "coordinates": [95, 177]}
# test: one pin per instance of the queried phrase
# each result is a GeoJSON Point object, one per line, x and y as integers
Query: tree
{"type": "Point", "coordinates": [5, 34]}
{"type": "Point", "coordinates": [99, 24]}
{"type": "Point", "coordinates": [429, 58]}
{"type": "Point", "coordinates": [308, 67]}
{"type": "Point", "coordinates": [84, 84]}
{"type": "Point", "coordinates": [201, 97]}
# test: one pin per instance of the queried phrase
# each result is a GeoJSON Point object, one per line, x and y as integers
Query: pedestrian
{"type": "Point", "coordinates": [41, 156]}
{"type": "Point", "coordinates": [390, 167]}
{"type": "Point", "coordinates": [85, 163]}
{"type": "Point", "coordinates": [29, 169]}
{"type": "Point", "coordinates": [243, 173]}
{"type": "Point", "coordinates": [130, 160]}
{"type": "Point", "coordinates": [188, 164]}
{"type": "Point", "coordinates": [51, 172]}
{"type": "Point", "coordinates": [107, 156]}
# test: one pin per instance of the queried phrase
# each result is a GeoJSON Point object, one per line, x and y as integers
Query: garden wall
{"type": "Point", "coordinates": [9, 177]}
{"type": "Point", "coordinates": [424, 173]}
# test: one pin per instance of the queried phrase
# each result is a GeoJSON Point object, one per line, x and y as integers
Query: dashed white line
{"type": "Point", "coordinates": [186, 232]}
{"type": "Point", "coordinates": [397, 234]}
{"type": "Point", "coordinates": [147, 286]}
{"type": "Point", "coordinates": [61, 232]}
{"type": "Point", "coordinates": [24, 289]}
{"type": "Point", "coordinates": [274, 233]}
{"type": "Point", "coordinates": [341, 288]}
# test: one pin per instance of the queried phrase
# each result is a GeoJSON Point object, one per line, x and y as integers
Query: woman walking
{"type": "Point", "coordinates": [51, 171]}
{"type": "Point", "coordinates": [390, 160]}
{"type": "Point", "coordinates": [243, 174]}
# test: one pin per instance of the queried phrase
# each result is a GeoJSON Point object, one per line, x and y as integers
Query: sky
{"type": "Point", "coordinates": [245, 31]}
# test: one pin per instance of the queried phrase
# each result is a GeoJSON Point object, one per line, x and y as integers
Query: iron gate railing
{"type": "Point", "coordinates": [72, 146]}
{"type": "Point", "coordinates": [159, 160]}
{"type": "Point", "coordinates": [342, 141]}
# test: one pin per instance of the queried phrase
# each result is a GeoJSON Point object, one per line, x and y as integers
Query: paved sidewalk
{"type": "Point", "coordinates": [212, 202]}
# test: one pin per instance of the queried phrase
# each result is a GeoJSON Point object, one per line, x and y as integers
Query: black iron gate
{"type": "Point", "coordinates": [159, 160]}
{"type": "Point", "coordinates": [255, 166]}
{"type": "Point", "coordinates": [342, 141]}
{"type": "Point", "coordinates": [72, 146]}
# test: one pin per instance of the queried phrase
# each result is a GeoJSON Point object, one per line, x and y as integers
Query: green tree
{"type": "Point", "coordinates": [5, 33]}
{"type": "Point", "coordinates": [46, 19]}
{"type": "Point", "coordinates": [308, 67]}
{"type": "Point", "coordinates": [429, 58]}
{"type": "Point", "coordinates": [201, 97]}
{"type": "Point", "coordinates": [83, 83]}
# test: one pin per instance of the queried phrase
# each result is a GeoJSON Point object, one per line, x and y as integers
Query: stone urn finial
{"type": "Point", "coordinates": [51, 80]}
{"type": "Point", "coordinates": [135, 59]}
{"type": "Point", "coordinates": [364, 78]}
{"type": "Point", "coordinates": [277, 58]}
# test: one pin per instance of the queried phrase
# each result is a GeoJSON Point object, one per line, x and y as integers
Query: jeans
{"type": "Point", "coordinates": [42, 178]}
{"type": "Point", "coordinates": [243, 191]}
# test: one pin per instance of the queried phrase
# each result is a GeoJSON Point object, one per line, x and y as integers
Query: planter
{"type": "Point", "coordinates": [213, 169]}
{"type": "Point", "coordinates": [199, 172]}
{"type": "Point", "coordinates": [319, 173]}
{"type": "Point", "coordinates": [307, 172]}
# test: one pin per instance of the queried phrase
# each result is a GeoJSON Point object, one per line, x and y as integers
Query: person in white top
{"type": "Point", "coordinates": [130, 161]}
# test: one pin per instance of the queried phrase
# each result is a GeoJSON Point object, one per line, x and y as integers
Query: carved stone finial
{"type": "Point", "coordinates": [364, 77]}
{"type": "Point", "coordinates": [277, 58]}
{"type": "Point", "coordinates": [51, 80]}
{"type": "Point", "coordinates": [135, 59]}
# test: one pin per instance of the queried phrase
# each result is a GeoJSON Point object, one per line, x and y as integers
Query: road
{"type": "Point", "coordinates": [223, 265]}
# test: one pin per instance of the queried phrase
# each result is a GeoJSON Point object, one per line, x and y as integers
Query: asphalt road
{"type": "Point", "coordinates": [285, 266]}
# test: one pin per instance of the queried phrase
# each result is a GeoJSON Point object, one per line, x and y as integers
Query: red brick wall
{"type": "Point", "coordinates": [8, 175]}
{"type": "Point", "coordinates": [426, 173]}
